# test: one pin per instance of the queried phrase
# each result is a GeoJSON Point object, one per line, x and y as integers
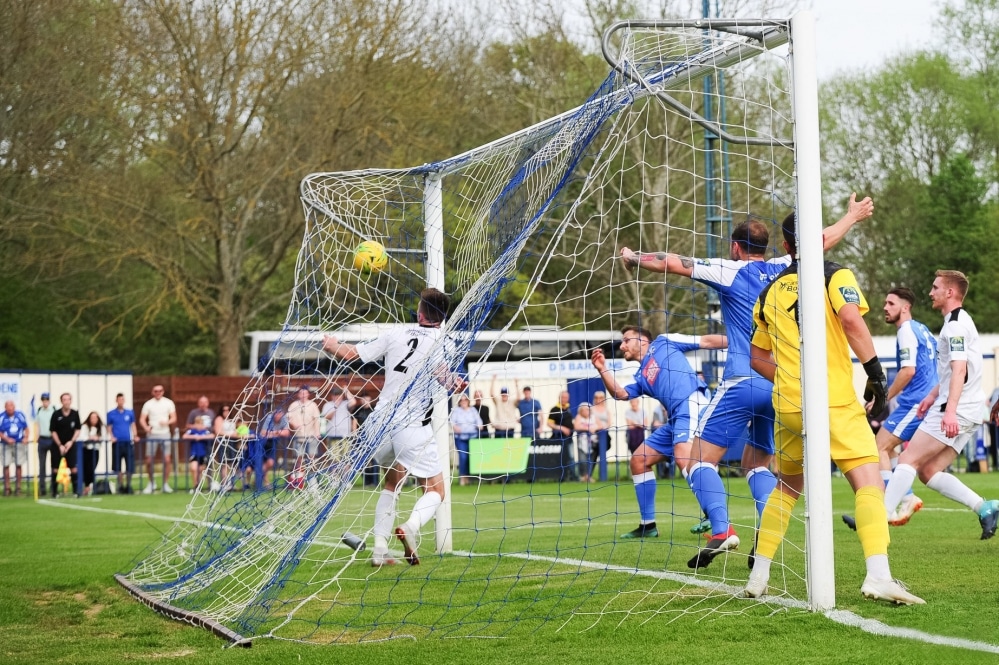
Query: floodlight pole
{"type": "Point", "coordinates": [433, 221]}
{"type": "Point", "coordinates": [820, 575]}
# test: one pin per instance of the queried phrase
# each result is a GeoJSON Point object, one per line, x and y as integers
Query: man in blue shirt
{"type": "Point", "coordinates": [915, 354]}
{"type": "Point", "coordinates": [665, 374]}
{"type": "Point", "coordinates": [530, 415]}
{"type": "Point", "coordinates": [743, 400]}
{"type": "Point", "coordinates": [13, 434]}
{"type": "Point", "coordinates": [123, 433]}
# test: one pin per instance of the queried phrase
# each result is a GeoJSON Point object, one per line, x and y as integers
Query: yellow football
{"type": "Point", "coordinates": [370, 256]}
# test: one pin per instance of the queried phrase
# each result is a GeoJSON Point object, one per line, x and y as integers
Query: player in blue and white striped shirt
{"type": "Point", "coordinates": [915, 352]}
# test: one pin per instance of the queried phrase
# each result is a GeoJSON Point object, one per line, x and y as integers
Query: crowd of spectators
{"type": "Point", "coordinates": [295, 431]}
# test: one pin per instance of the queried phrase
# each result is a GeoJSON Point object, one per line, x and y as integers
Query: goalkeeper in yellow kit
{"type": "Point", "coordinates": [776, 354]}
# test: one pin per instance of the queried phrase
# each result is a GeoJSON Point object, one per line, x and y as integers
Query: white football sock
{"type": "Point", "coordinates": [877, 567]}
{"type": "Point", "coordinates": [900, 483]}
{"type": "Point", "coordinates": [384, 519]}
{"type": "Point", "coordinates": [954, 489]}
{"type": "Point", "coordinates": [424, 510]}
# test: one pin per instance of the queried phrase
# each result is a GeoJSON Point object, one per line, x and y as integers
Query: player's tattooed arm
{"type": "Point", "coordinates": [663, 262]}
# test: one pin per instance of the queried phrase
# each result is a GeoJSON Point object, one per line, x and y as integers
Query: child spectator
{"type": "Point", "coordinates": [198, 436]}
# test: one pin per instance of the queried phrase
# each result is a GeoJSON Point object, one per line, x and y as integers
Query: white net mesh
{"type": "Point", "coordinates": [524, 235]}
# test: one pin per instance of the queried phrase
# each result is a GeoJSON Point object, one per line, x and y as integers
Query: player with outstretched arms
{"type": "Point", "coordinates": [951, 411]}
{"type": "Point", "coordinates": [665, 374]}
{"type": "Point", "coordinates": [411, 449]}
{"type": "Point", "coordinates": [743, 399]}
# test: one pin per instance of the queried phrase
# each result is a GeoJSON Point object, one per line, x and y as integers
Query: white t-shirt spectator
{"type": "Point", "coordinates": [158, 411]}
{"type": "Point", "coordinates": [339, 422]}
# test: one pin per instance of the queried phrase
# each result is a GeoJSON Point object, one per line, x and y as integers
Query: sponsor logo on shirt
{"type": "Point", "coordinates": [651, 371]}
{"type": "Point", "coordinates": [957, 343]}
{"type": "Point", "coordinates": [850, 295]}
{"type": "Point", "coordinates": [704, 262]}
{"type": "Point", "coordinates": [904, 354]}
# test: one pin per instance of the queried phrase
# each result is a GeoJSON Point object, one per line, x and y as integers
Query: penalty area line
{"type": "Point", "coordinates": [844, 617]}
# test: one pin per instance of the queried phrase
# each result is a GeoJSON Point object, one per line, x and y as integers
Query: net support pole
{"type": "Point", "coordinates": [433, 220]}
{"type": "Point", "coordinates": [811, 296]}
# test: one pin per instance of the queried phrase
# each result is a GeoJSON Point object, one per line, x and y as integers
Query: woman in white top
{"type": "Point", "coordinates": [635, 419]}
{"type": "Point", "coordinates": [586, 436]}
{"type": "Point", "coordinates": [604, 419]}
{"type": "Point", "coordinates": [466, 423]}
{"type": "Point", "coordinates": [92, 437]}
{"type": "Point", "coordinates": [227, 449]}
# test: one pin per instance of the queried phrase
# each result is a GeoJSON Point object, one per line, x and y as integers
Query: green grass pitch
{"type": "Point", "coordinates": [59, 603]}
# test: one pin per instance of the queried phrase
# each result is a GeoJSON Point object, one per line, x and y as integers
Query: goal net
{"type": "Point", "coordinates": [690, 132]}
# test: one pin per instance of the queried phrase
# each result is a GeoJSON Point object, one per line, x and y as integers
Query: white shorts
{"type": "Point", "coordinates": [14, 453]}
{"type": "Point", "coordinates": [305, 446]}
{"type": "Point", "coordinates": [414, 448]}
{"type": "Point", "coordinates": [966, 428]}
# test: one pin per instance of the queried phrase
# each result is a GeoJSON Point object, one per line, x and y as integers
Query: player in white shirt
{"type": "Point", "coordinates": [951, 412]}
{"type": "Point", "coordinates": [411, 447]}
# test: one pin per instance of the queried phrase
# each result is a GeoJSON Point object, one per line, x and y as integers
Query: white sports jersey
{"type": "Point", "coordinates": [405, 352]}
{"type": "Point", "coordinates": [959, 341]}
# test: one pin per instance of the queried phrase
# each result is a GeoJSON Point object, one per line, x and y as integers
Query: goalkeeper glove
{"type": "Point", "coordinates": [876, 390]}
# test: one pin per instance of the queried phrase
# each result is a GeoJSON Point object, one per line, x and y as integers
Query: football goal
{"type": "Point", "coordinates": [698, 125]}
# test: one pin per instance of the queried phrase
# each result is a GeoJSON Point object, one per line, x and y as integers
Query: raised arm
{"type": "Point", "coordinates": [663, 262]}
{"type": "Point", "coordinates": [614, 389]}
{"type": "Point", "coordinates": [714, 342]}
{"type": "Point", "coordinates": [856, 211]}
{"type": "Point", "coordinates": [339, 349]}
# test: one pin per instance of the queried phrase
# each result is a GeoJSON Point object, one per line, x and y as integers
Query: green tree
{"type": "Point", "coordinates": [921, 135]}
{"type": "Point", "coordinates": [958, 231]}
{"type": "Point", "coordinates": [205, 117]}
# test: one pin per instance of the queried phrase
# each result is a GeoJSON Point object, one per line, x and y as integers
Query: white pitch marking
{"type": "Point", "coordinates": [844, 617]}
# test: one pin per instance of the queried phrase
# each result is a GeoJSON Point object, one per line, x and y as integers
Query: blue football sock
{"type": "Point", "coordinates": [645, 492]}
{"type": "Point", "coordinates": [710, 492]}
{"type": "Point", "coordinates": [761, 483]}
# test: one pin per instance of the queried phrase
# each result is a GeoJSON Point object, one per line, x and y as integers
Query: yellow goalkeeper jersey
{"type": "Point", "coordinates": [775, 328]}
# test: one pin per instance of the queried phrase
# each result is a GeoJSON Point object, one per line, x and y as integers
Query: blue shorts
{"type": "Point", "coordinates": [258, 449]}
{"type": "Point", "coordinates": [199, 449]}
{"type": "Point", "coordinates": [903, 422]}
{"type": "Point", "coordinates": [680, 428]}
{"type": "Point", "coordinates": [122, 451]}
{"type": "Point", "coordinates": [740, 404]}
